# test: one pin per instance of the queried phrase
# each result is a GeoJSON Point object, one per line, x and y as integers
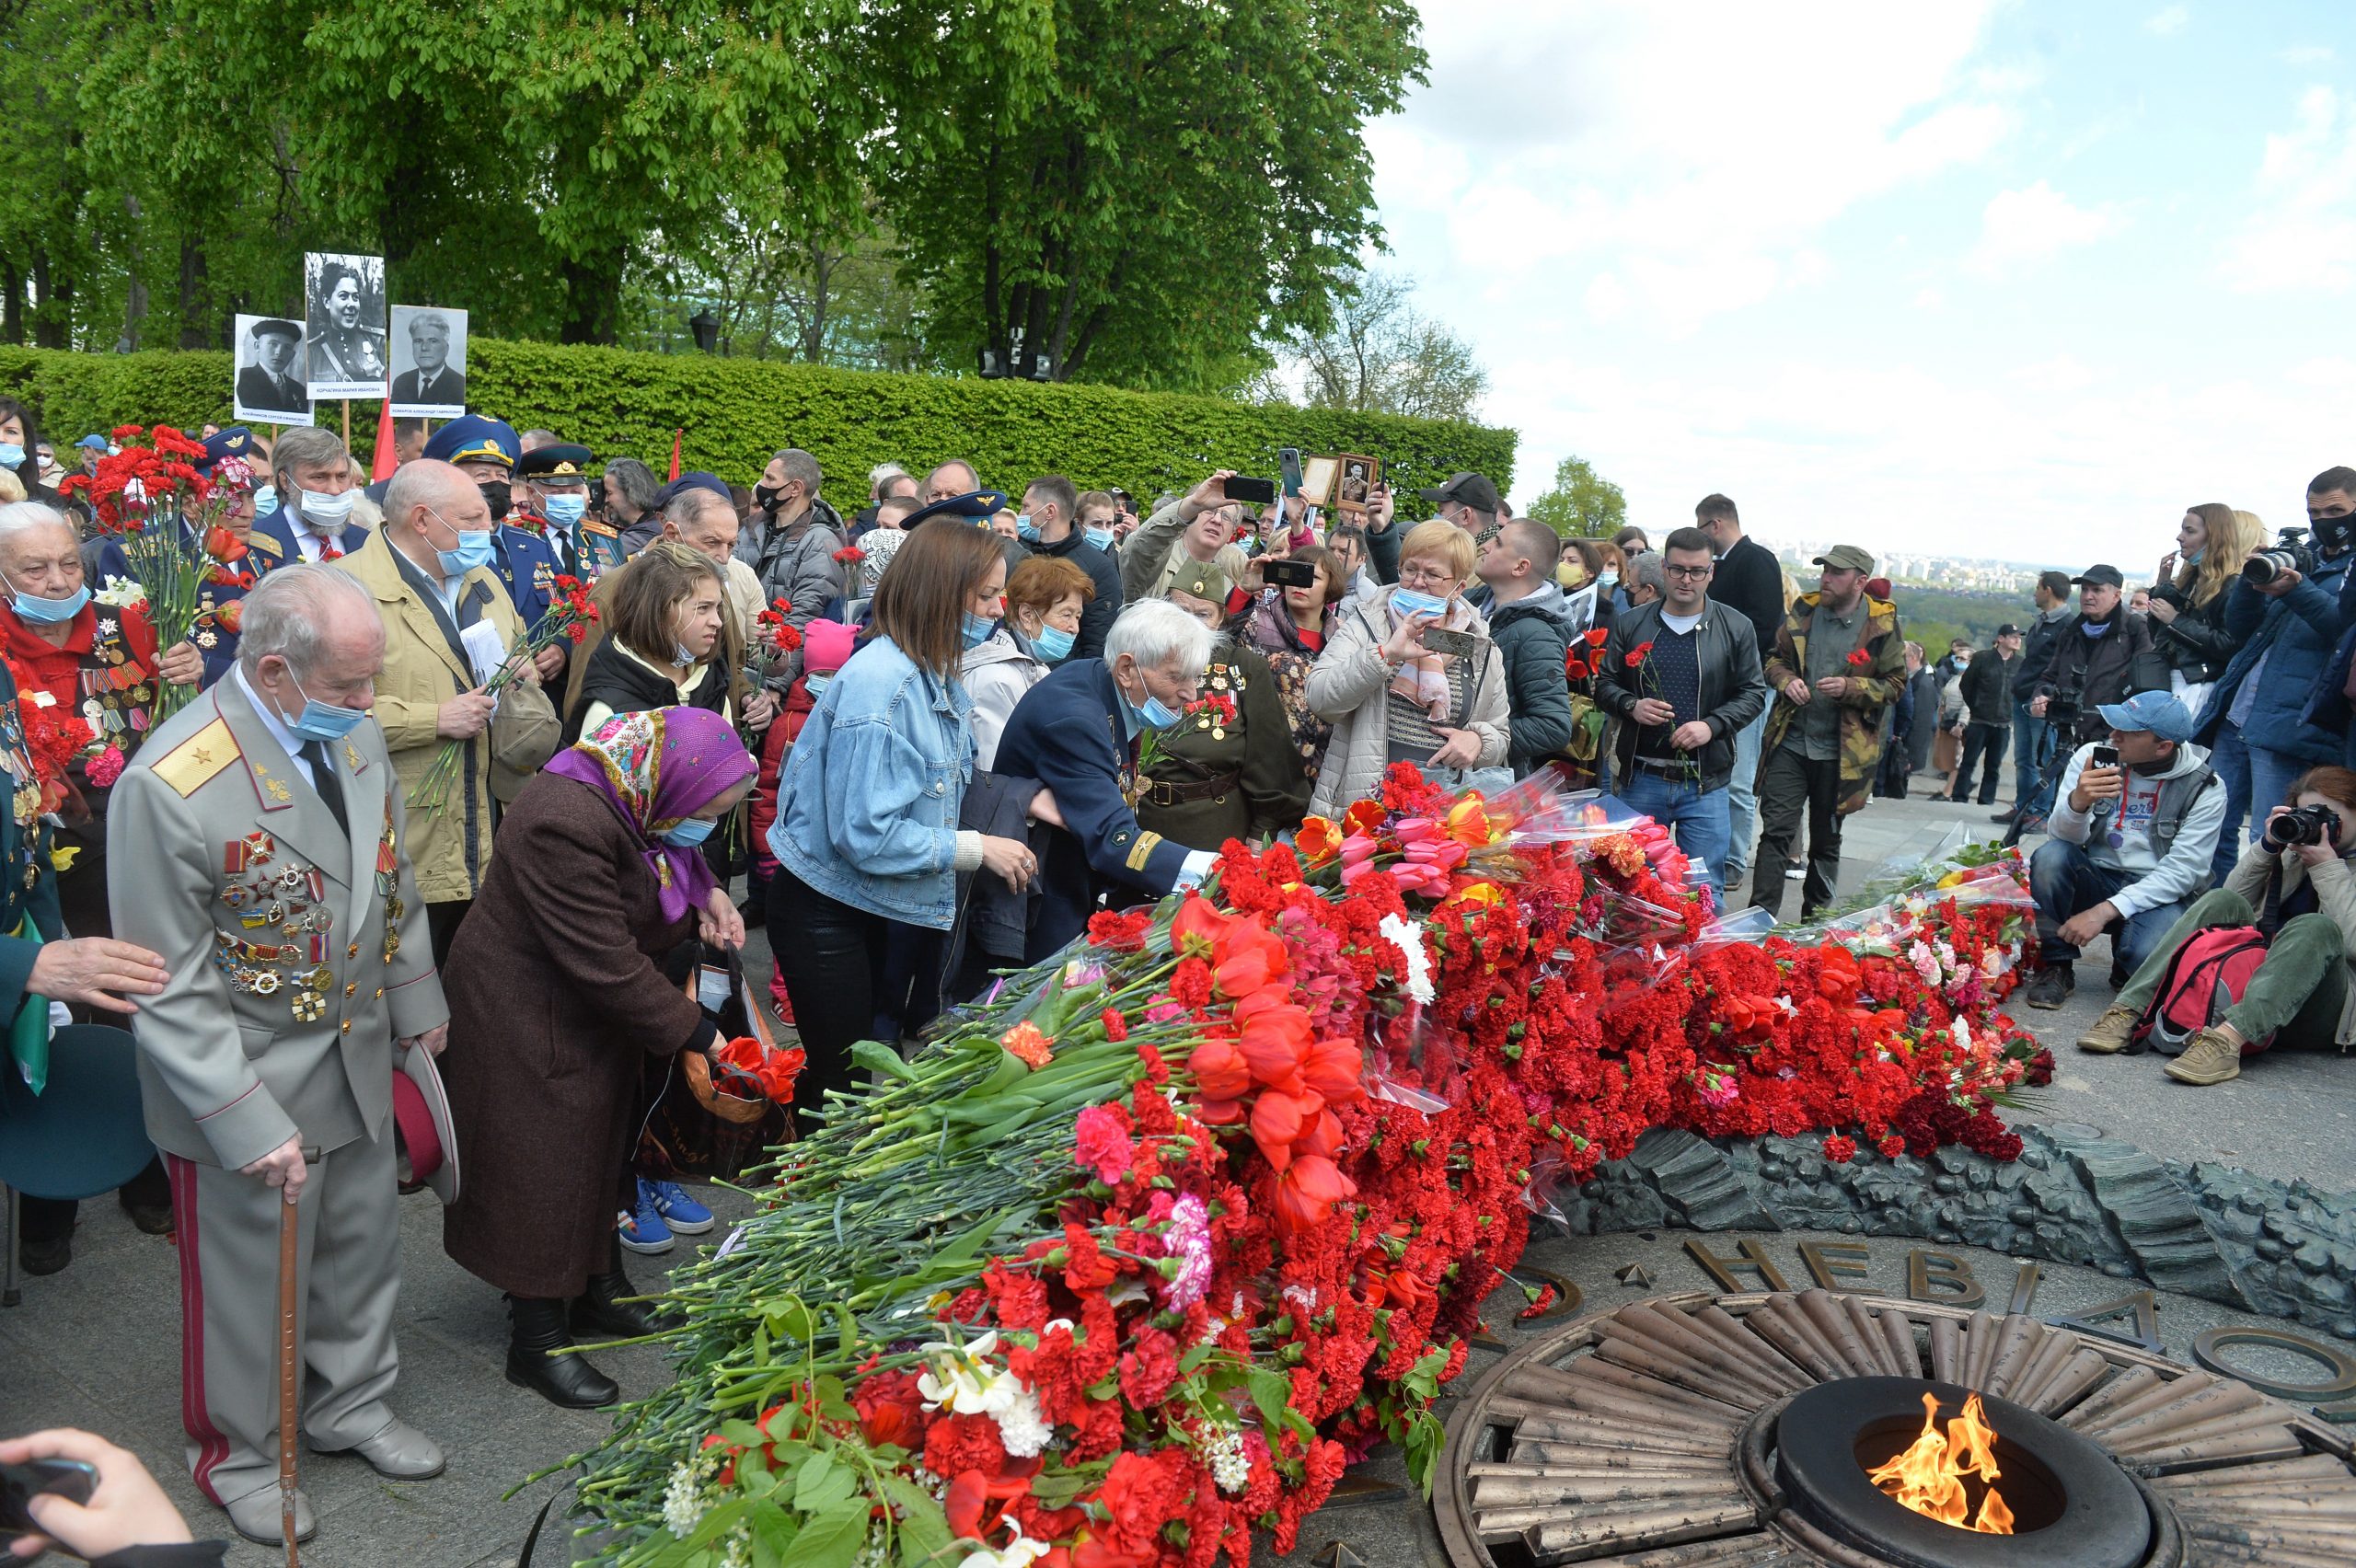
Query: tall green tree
{"type": "Point", "coordinates": [1582, 504]}
{"type": "Point", "coordinates": [1137, 194]}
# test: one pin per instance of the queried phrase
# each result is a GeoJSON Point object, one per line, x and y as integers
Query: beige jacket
{"type": "Point", "coordinates": [1349, 686]}
{"type": "Point", "coordinates": [450, 847]}
{"type": "Point", "coordinates": [2334, 892]}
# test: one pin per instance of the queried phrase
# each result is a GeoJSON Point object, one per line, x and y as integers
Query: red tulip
{"type": "Point", "coordinates": [1322, 1137]}
{"type": "Point", "coordinates": [1221, 1070]}
{"type": "Point", "coordinates": [1310, 1187]}
{"type": "Point", "coordinates": [1197, 929]}
{"type": "Point", "coordinates": [1275, 1123]}
{"type": "Point", "coordinates": [1274, 1043]}
{"type": "Point", "coordinates": [1246, 959]}
{"type": "Point", "coordinates": [1333, 1069]}
{"type": "Point", "coordinates": [968, 1494]}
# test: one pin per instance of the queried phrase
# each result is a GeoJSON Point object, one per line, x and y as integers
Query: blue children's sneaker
{"type": "Point", "coordinates": [681, 1213]}
{"type": "Point", "coordinates": [643, 1231]}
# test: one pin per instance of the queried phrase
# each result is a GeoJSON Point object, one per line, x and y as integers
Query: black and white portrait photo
{"type": "Point", "coordinates": [343, 348]}
{"type": "Point", "coordinates": [270, 388]}
{"type": "Point", "coordinates": [1360, 475]}
{"type": "Point", "coordinates": [429, 348]}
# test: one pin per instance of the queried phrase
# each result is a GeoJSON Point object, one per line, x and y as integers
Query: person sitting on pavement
{"type": "Point", "coordinates": [2299, 889]}
{"type": "Point", "coordinates": [2130, 843]}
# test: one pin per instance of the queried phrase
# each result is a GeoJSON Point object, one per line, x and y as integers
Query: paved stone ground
{"type": "Point", "coordinates": [99, 1344]}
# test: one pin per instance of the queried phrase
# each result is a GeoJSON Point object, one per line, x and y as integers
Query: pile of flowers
{"type": "Point", "coordinates": [1154, 1240]}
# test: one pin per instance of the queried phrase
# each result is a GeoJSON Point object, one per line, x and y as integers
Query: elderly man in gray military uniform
{"type": "Point", "coordinates": [257, 843]}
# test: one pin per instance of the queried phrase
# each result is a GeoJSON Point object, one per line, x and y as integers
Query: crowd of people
{"type": "Point", "coordinates": [405, 815]}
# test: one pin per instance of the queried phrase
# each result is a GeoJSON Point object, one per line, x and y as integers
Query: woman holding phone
{"type": "Point", "coordinates": [1394, 693]}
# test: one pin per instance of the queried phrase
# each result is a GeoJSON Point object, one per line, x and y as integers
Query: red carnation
{"type": "Point", "coordinates": [1637, 655]}
{"type": "Point", "coordinates": [851, 555]}
{"type": "Point", "coordinates": [1860, 658]}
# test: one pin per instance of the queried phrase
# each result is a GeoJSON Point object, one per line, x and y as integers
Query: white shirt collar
{"type": "Point", "coordinates": [286, 738]}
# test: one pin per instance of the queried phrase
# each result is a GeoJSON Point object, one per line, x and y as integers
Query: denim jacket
{"type": "Point", "coordinates": [867, 810]}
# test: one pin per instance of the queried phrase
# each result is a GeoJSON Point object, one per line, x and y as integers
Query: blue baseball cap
{"type": "Point", "coordinates": [95, 443]}
{"type": "Point", "coordinates": [474, 439]}
{"type": "Point", "coordinates": [2157, 711]}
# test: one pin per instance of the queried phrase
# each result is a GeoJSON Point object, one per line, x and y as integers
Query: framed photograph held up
{"type": "Point", "coordinates": [429, 348]}
{"type": "Point", "coordinates": [269, 384]}
{"type": "Point", "coordinates": [1317, 480]}
{"type": "Point", "coordinates": [1359, 475]}
{"type": "Point", "coordinates": [343, 342]}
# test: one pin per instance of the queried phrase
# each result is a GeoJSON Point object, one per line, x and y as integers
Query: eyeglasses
{"type": "Point", "coordinates": [1691, 573]}
{"type": "Point", "coordinates": [1425, 576]}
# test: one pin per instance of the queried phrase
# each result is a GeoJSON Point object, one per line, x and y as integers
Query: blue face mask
{"type": "Point", "coordinates": [1154, 713]}
{"type": "Point", "coordinates": [324, 720]}
{"type": "Point", "coordinates": [11, 455]}
{"type": "Point", "coordinates": [1026, 530]}
{"type": "Point", "coordinates": [689, 834]}
{"type": "Point", "coordinates": [1101, 537]}
{"type": "Point", "coordinates": [1407, 602]}
{"type": "Point", "coordinates": [1053, 644]}
{"type": "Point", "coordinates": [978, 630]}
{"type": "Point", "coordinates": [474, 550]}
{"type": "Point", "coordinates": [2194, 558]}
{"type": "Point", "coordinates": [265, 500]}
{"type": "Point", "coordinates": [50, 612]}
{"type": "Point", "coordinates": [564, 511]}
{"type": "Point", "coordinates": [815, 685]}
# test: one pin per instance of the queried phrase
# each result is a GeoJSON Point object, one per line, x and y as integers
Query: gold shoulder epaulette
{"type": "Point", "coordinates": [258, 541]}
{"type": "Point", "coordinates": [188, 765]}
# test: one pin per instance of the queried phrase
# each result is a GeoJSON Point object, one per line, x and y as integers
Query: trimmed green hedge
{"type": "Point", "coordinates": [735, 412]}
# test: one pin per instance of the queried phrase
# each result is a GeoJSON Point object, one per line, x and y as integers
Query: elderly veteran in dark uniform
{"type": "Point", "coordinates": [1228, 769]}
{"type": "Point", "coordinates": [261, 847]}
{"type": "Point", "coordinates": [1078, 733]}
{"type": "Point", "coordinates": [273, 383]}
{"type": "Point", "coordinates": [555, 506]}
{"type": "Point", "coordinates": [485, 450]}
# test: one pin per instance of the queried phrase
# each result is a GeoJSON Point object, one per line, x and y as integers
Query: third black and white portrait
{"type": "Point", "coordinates": [429, 347]}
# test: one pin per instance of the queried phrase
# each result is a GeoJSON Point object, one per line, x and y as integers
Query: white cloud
{"type": "Point", "coordinates": [2308, 54]}
{"type": "Point", "coordinates": [2300, 233]}
{"type": "Point", "coordinates": [1698, 152]}
{"type": "Point", "coordinates": [2021, 227]}
{"type": "Point", "coordinates": [2169, 22]}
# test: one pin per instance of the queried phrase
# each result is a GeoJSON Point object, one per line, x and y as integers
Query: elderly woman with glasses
{"type": "Point", "coordinates": [1412, 676]}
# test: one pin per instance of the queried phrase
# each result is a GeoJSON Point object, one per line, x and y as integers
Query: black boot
{"type": "Point", "coordinates": [600, 1309]}
{"type": "Point", "coordinates": [567, 1381]}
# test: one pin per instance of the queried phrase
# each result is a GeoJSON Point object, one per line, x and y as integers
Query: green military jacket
{"type": "Point", "coordinates": [1873, 686]}
{"type": "Point", "coordinates": [1228, 769]}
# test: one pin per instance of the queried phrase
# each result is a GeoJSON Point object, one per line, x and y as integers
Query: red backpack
{"type": "Point", "coordinates": [2207, 976]}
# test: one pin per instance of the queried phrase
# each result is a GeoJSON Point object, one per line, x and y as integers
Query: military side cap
{"type": "Point", "coordinates": [695, 479]}
{"type": "Point", "coordinates": [974, 506]}
{"type": "Point", "coordinates": [1847, 558]}
{"type": "Point", "coordinates": [474, 439]}
{"type": "Point", "coordinates": [235, 441]}
{"type": "Point", "coordinates": [1203, 581]}
{"type": "Point", "coordinates": [561, 462]}
{"type": "Point", "coordinates": [274, 328]}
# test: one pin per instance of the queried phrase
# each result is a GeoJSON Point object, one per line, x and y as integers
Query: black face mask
{"type": "Point", "coordinates": [498, 495]}
{"type": "Point", "coordinates": [765, 496]}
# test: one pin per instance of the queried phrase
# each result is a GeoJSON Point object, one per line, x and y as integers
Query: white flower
{"type": "Point", "coordinates": [1020, 1425]}
{"type": "Point", "coordinates": [683, 1501]}
{"type": "Point", "coordinates": [1019, 1552]}
{"type": "Point", "coordinates": [1410, 943]}
{"type": "Point", "coordinates": [121, 593]}
{"type": "Point", "coordinates": [1962, 1034]}
{"type": "Point", "coordinates": [1231, 1467]}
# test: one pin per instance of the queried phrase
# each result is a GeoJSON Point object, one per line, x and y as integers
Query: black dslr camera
{"type": "Point", "coordinates": [2290, 554]}
{"type": "Point", "coordinates": [2302, 824]}
{"type": "Point", "coordinates": [2063, 710]}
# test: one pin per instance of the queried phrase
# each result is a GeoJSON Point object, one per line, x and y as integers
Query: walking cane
{"type": "Point", "coordinates": [289, 1360]}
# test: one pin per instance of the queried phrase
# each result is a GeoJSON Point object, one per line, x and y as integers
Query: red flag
{"type": "Point", "coordinates": [387, 460]}
{"type": "Point", "coordinates": [674, 451]}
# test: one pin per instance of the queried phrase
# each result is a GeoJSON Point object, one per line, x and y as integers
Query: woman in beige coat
{"type": "Point", "coordinates": [1392, 697]}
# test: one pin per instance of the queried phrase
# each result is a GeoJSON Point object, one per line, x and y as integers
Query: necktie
{"type": "Point", "coordinates": [324, 781]}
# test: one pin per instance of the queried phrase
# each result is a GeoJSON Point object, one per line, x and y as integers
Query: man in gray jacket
{"type": "Point", "coordinates": [1683, 676]}
{"type": "Point", "coordinates": [1530, 621]}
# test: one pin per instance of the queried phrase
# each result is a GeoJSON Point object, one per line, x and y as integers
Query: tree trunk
{"type": "Point", "coordinates": [12, 311]}
{"type": "Point", "coordinates": [193, 278]}
{"type": "Point", "coordinates": [823, 263]}
{"type": "Point", "coordinates": [592, 293]}
{"type": "Point", "coordinates": [52, 299]}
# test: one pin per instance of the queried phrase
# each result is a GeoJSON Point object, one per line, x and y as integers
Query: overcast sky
{"type": "Point", "coordinates": [2016, 280]}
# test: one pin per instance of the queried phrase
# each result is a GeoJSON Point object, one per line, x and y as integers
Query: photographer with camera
{"type": "Point", "coordinates": [2134, 827]}
{"type": "Point", "coordinates": [2331, 506]}
{"type": "Point", "coordinates": [2103, 656]}
{"type": "Point", "coordinates": [2297, 888]}
{"type": "Point", "coordinates": [2286, 608]}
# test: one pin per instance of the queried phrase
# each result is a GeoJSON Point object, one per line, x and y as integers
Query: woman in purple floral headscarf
{"type": "Point", "coordinates": [556, 994]}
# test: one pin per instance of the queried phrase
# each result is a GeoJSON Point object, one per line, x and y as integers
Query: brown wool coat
{"type": "Point", "coordinates": [556, 994]}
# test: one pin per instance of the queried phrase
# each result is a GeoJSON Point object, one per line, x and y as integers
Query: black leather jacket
{"type": "Point", "coordinates": [1733, 691]}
